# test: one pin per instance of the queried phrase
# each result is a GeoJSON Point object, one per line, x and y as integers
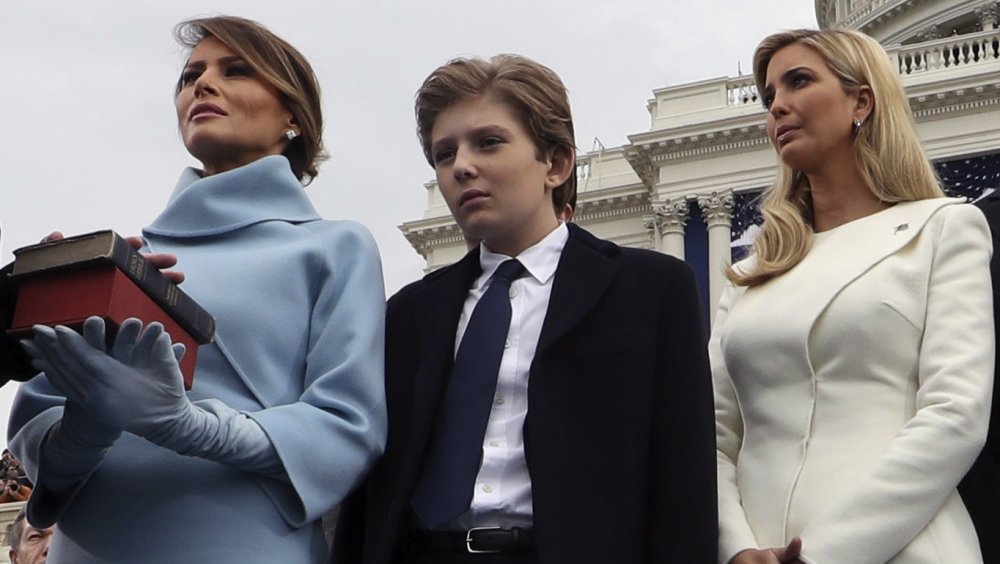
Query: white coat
{"type": "Point", "coordinates": [853, 391]}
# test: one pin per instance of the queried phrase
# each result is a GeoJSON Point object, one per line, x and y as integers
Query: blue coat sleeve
{"type": "Point", "coordinates": [329, 438]}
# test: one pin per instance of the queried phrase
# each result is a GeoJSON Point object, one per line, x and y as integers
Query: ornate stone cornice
{"type": "Point", "coordinates": [717, 208]}
{"type": "Point", "coordinates": [424, 239]}
{"type": "Point", "coordinates": [633, 204]}
{"type": "Point", "coordinates": [651, 150]}
{"type": "Point", "coordinates": [960, 100]}
{"type": "Point", "coordinates": [824, 13]}
{"type": "Point", "coordinates": [866, 14]}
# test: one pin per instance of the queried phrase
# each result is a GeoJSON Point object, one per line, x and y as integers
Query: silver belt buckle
{"type": "Point", "coordinates": [468, 541]}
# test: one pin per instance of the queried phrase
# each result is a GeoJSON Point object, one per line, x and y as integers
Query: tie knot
{"type": "Point", "coordinates": [509, 270]}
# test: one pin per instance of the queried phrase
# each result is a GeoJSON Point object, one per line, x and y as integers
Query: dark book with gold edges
{"type": "Point", "coordinates": [64, 282]}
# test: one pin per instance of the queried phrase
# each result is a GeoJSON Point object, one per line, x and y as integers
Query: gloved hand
{"type": "Point", "coordinates": [74, 447]}
{"type": "Point", "coordinates": [139, 388]}
{"type": "Point", "coordinates": [136, 388]}
{"type": "Point", "coordinates": [71, 451]}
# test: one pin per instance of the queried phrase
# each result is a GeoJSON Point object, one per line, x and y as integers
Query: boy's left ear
{"type": "Point", "coordinates": [562, 163]}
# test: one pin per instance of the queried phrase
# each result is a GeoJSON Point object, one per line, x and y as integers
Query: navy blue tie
{"type": "Point", "coordinates": [444, 489]}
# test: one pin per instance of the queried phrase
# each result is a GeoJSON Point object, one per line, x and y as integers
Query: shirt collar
{"type": "Point", "coordinates": [540, 260]}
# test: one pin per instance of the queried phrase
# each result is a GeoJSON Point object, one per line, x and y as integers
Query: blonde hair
{"type": "Point", "coordinates": [887, 150]}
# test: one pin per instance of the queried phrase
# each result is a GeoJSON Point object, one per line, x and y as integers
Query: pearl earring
{"type": "Point", "coordinates": [857, 126]}
{"type": "Point", "coordinates": [291, 134]}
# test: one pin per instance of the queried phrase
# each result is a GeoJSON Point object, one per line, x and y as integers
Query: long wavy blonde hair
{"type": "Point", "coordinates": [888, 152]}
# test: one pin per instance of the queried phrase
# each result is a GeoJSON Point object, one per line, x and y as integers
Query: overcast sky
{"type": "Point", "coordinates": [89, 138]}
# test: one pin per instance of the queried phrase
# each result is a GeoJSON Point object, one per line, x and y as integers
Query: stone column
{"type": "Point", "coordinates": [671, 217]}
{"type": "Point", "coordinates": [717, 211]}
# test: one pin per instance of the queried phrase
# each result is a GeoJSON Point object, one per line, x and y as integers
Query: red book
{"type": "Point", "coordinates": [69, 298]}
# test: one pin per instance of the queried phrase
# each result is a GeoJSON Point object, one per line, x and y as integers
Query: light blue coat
{"type": "Point", "coordinates": [299, 306]}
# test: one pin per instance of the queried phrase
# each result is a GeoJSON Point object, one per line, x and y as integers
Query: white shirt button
{"type": "Point", "coordinates": [500, 400]}
{"type": "Point", "coordinates": [487, 488]}
{"type": "Point", "coordinates": [512, 293]}
{"type": "Point", "coordinates": [506, 344]}
{"type": "Point", "coordinates": [494, 443]}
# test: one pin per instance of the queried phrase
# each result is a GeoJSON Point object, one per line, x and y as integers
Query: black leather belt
{"type": "Point", "coordinates": [481, 540]}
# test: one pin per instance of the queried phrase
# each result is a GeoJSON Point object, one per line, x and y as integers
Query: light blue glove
{"type": "Point", "coordinates": [135, 388]}
{"type": "Point", "coordinates": [74, 446]}
{"type": "Point", "coordinates": [139, 388]}
{"type": "Point", "coordinates": [72, 450]}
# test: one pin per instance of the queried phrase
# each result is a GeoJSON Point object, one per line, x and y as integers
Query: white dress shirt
{"type": "Point", "coordinates": [502, 494]}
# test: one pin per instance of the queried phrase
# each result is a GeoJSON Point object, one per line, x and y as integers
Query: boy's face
{"type": "Point", "coordinates": [489, 174]}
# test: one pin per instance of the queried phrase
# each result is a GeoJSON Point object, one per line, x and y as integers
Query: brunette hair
{"type": "Point", "coordinates": [278, 64]}
{"type": "Point", "coordinates": [887, 149]}
{"type": "Point", "coordinates": [533, 91]}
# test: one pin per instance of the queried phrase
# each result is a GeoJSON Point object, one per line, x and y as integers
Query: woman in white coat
{"type": "Point", "coordinates": [852, 353]}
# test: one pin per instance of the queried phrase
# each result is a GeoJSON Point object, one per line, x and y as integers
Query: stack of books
{"type": "Point", "coordinates": [66, 281]}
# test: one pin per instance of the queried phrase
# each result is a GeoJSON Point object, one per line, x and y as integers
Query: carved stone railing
{"type": "Point", "coordinates": [741, 91]}
{"type": "Point", "coordinates": [958, 50]}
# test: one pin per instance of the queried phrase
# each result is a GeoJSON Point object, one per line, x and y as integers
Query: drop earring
{"type": "Point", "coordinates": [857, 126]}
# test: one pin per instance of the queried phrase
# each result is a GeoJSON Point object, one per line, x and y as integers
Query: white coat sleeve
{"type": "Point", "coordinates": [735, 534]}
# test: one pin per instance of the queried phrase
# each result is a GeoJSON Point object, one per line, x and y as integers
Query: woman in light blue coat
{"type": "Point", "coordinates": [287, 410]}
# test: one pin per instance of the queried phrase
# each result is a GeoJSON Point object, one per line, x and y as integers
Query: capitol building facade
{"type": "Point", "coordinates": [688, 185]}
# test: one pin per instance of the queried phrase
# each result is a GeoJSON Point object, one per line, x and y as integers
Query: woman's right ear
{"type": "Point", "coordinates": [865, 104]}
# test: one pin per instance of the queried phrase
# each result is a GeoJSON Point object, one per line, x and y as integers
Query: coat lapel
{"type": "Point", "coordinates": [852, 253]}
{"type": "Point", "coordinates": [438, 306]}
{"type": "Point", "coordinates": [835, 262]}
{"type": "Point", "coordinates": [585, 273]}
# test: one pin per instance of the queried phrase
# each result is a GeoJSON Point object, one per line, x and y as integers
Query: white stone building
{"type": "Point", "coordinates": [687, 185]}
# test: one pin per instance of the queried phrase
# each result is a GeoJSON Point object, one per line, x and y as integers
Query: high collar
{"type": "Point", "coordinates": [263, 190]}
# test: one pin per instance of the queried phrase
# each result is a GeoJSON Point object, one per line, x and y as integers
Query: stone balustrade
{"type": "Point", "coordinates": [742, 91]}
{"type": "Point", "coordinates": [958, 50]}
{"type": "Point", "coordinates": [968, 49]}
